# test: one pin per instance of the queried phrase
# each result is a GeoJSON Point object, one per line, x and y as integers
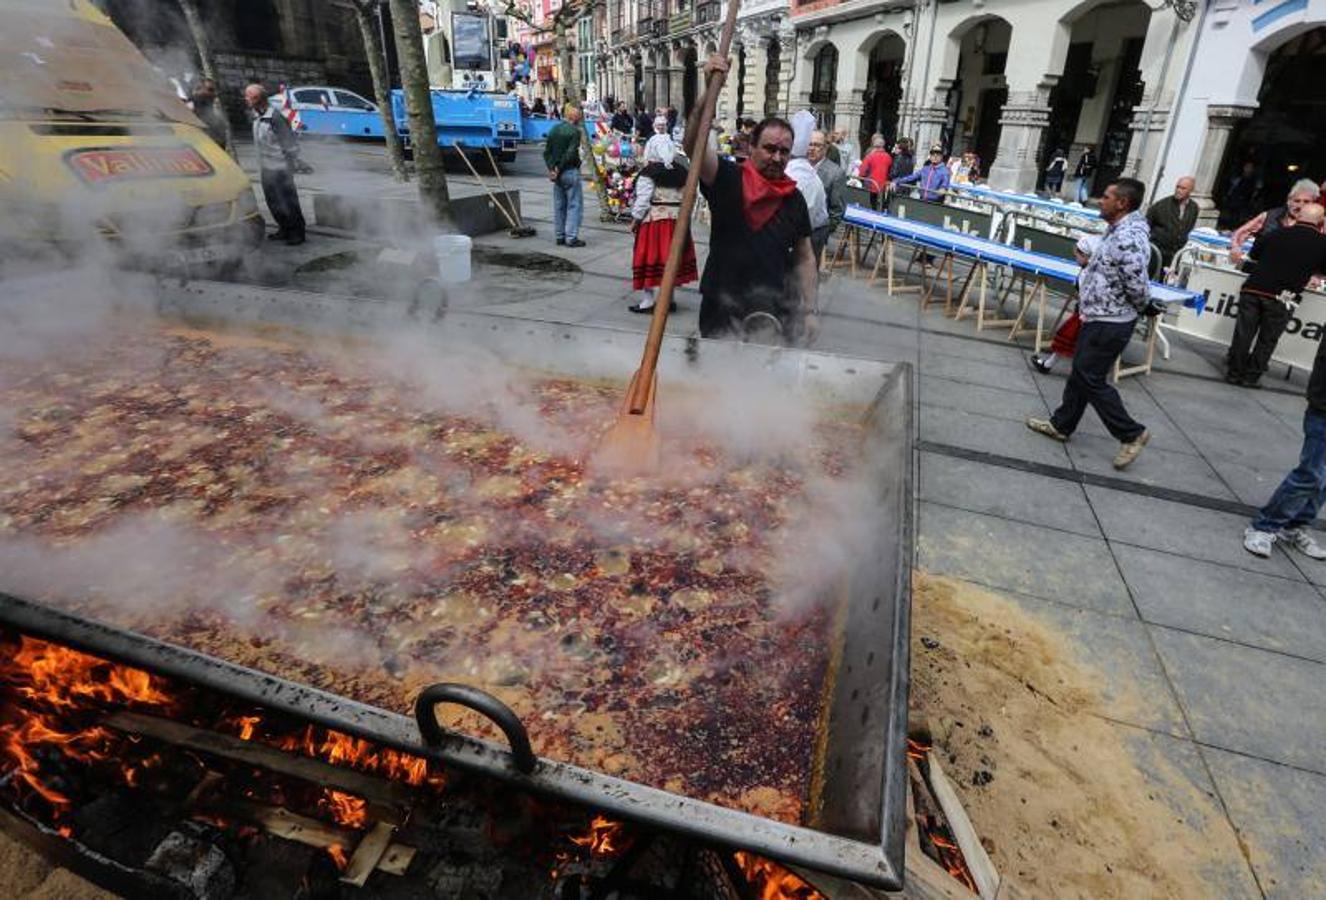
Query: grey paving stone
{"type": "Point", "coordinates": [1132, 684]}
{"type": "Point", "coordinates": [1288, 405]}
{"type": "Point", "coordinates": [1178, 528]}
{"type": "Point", "coordinates": [1222, 602]}
{"type": "Point", "coordinates": [1223, 421]}
{"type": "Point", "coordinates": [1001, 436]}
{"type": "Point", "coordinates": [1176, 772]}
{"type": "Point", "coordinates": [974, 398]}
{"type": "Point", "coordinates": [1278, 813]}
{"type": "Point", "coordinates": [1250, 701]}
{"type": "Point", "coordinates": [1000, 353]}
{"type": "Point", "coordinates": [1007, 493]}
{"type": "Point", "coordinates": [1156, 466]}
{"type": "Point", "coordinates": [1016, 556]}
{"type": "Point", "coordinates": [1255, 484]}
{"type": "Point", "coordinates": [1014, 376]}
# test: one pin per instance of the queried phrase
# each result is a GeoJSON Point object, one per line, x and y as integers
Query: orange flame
{"type": "Point", "coordinates": [346, 809]}
{"type": "Point", "coordinates": [604, 837]}
{"type": "Point", "coordinates": [773, 882]}
{"type": "Point", "coordinates": [953, 860]}
{"type": "Point", "coordinates": [344, 750]}
{"type": "Point", "coordinates": [56, 680]}
{"type": "Point", "coordinates": [337, 853]}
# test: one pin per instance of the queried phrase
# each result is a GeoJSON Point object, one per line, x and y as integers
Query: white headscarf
{"type": "Point", "coordinates": [803, 123]}
{"type": "Point", "coordinates": [660, 149]}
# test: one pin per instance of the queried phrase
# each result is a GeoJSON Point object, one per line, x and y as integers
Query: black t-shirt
{"type": "Point", "coordinates": [749, 270]}
{"type": "Point", "coordinates": [1286, 259]}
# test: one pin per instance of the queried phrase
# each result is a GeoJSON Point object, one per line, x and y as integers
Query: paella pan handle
{"type": "Point", "coordinates": [502, 716]}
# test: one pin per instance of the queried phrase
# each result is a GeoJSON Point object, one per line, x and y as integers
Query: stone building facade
{"type": "Point", "coordinates": [1012, 80]}
{"type": "Point", "coordinates": [269, 41]}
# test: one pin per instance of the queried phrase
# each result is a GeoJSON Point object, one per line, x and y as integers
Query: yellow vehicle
{"type": "Point", "coordinates": [94, 143]}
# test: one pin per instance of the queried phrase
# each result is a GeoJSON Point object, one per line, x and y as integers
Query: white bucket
{"type": "Point", "coordinates": [453, 257]}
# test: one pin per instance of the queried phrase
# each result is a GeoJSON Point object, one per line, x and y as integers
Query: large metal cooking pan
{"type": "Point", "coordinates": [855, 825]}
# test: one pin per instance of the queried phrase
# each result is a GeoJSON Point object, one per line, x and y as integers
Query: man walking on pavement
{"type": "Point", "coordinates": [1286, 259]}
{"type": "Point", "coordinates": [561, 153]}
{"type": "Point", "coordinates": [278, 159]}
{"type": "Point", "coordinates": [1294, 505]}
{"type": "Point", "coordinates": [760, 260]}
{"type": "Point", "coordinates": [1172, 219]}
{"type": "Point", "coordinates": [1113, 289]}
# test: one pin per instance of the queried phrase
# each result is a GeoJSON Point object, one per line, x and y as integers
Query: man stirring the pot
{"type": "Point", "coordinates": [761, 265]}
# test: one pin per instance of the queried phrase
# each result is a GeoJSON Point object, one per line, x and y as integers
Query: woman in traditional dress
{"type": "Point", "coordinates": [654, 212]}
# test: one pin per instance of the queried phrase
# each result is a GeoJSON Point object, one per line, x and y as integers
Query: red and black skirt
{"type": "Point", "coordinates": [652, 243]}
{"type": "Point", "coordinates": [1065, 339]}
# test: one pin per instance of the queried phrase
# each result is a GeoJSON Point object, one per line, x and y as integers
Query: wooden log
{"type": "Point", "coordinates": [389, 798]}
{"type": "Point", "coordinates": [923, 878]}
{"type": "Point", "coordinates": [978, 861]}
{"type": "Point", "coordinates": [368, 854]}
{"type": "Point", "coordinates": [282, 823]}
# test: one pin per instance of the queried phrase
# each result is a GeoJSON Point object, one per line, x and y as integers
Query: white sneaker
{"type": "Point", "coordinates": [1304, 543]}
{"type": "Point", "coordinates": [1259, 543]}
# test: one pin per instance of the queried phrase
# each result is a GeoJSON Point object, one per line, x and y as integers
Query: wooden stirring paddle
{"type": "Point", "coordinates": [631, 445]}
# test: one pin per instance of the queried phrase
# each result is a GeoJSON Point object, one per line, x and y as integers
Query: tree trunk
{"type": "Point", "coordinates": [570, 87]}
{"type": "Point", "coordinates": [203, 43]}
{"type": "Point", "coordinates": [428, 160]}
{"type": "Point", "coordinates": [365, 13]}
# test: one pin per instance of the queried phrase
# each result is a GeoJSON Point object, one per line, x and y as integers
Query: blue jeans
{"type": "Point", "coordinates": [1296, 501]}
{"type": "Point", "coordinates": [1083, 189]}
{"type": "Point", "coordinates": [568, 202]}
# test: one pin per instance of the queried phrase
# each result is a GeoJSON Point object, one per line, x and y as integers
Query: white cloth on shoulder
{"type": "Point", "coordinates": [660, 149]}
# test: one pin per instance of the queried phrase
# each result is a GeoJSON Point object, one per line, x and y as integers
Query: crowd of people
{"type": "Point", "coordinates": [776, 192]}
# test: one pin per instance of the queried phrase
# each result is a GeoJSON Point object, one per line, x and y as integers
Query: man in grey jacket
{"type": "Point", "coordinates": [1112, 291]}
{"type": "Point", "coordinates": [834, 179]}
{"type": "Point", "coordinates": [278, 159]}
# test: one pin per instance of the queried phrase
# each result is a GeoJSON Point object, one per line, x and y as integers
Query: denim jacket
{"type": "Point", "coordinates": [1114, 285]}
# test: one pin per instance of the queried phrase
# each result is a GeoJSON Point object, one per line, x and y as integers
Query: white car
{"type": "Point", "coordinates": [328, 111]}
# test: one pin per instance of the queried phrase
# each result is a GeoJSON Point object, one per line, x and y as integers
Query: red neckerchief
{"type": "Point", "coordinates": [762, 197]}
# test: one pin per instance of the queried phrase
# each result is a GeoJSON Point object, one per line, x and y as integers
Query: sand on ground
{"type": "Point", "coordinates": [1068, 812]}
{"type": "Point", "coordinates": [26, 875]}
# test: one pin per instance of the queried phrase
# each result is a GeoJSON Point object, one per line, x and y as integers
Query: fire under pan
{"type": "Point", "coordinates": [854, 822]}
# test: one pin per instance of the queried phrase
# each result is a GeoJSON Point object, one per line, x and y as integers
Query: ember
{"type": "Point", "coordinates": [604, 837]}
{"type": "Point", "coordinates": [346, 809]}
{"type": "Point", "coordinates": [771, 881]}
{"type": "Point", "coordinates": [934, 834]}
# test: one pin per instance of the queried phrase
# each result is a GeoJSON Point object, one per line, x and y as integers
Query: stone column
{"type": "Point", "coordinates": [847, 113]}
{"type": "Point", "coordinates": [1025, 116]}
{"type": "Point", "coordinates": [757, 54]}
{"type": "Point", "coordinates": [677, 82]}
{"type": "Point", "coordinates": [928, 119]}
{"type": "Point", "coordinates": [647, 84]}
{"type": "Point", "coordinates": [787, 68]}
{"type": "Point", "coordinates": [662, 96]}
{"type": "Point", "coordinates": [727, 98]}
{"type": "Point", "coordinates": [1220, 122]}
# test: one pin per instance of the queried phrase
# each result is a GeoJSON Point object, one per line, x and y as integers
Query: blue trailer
{"type": "Point", "coordinates": [473, 119]}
